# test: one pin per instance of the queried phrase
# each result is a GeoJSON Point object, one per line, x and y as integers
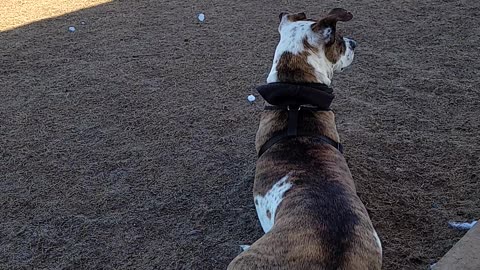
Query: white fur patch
{"type": "Point", "coordinates": [327, 33]}
{"type": "Point", "coordinates": [347, 58]}
{"type": "Point", "coordinates": [377, 240]}
{"type": "Point", "coordinates": [292, 35]}
{"type": "Point", "coordinates": [291, 40]}
{"type": "Point", "coordinates": [267, 205]}
{"type": "Point", "coordinates": [323, 68]}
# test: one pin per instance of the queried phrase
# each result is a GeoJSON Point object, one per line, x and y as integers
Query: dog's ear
{"type": "Point", "coordinates": [293, 17]}
{"type": "Point", "coordinates": [327, 26]}
{"type": "Point", "coordinates": [298, 17]}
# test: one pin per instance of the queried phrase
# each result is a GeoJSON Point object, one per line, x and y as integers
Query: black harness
{"type": "Point", "coordinates": [293, 98]}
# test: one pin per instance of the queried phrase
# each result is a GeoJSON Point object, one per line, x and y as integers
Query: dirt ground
{"type": "Point", "coordinates": [129, 144]}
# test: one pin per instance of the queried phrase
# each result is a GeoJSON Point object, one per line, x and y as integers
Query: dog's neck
{"type": "Point", "coordinates": [295, 94]}
{"type": "Point", "coordinates": [272, 122]}
{"type": "Point", "coordinates": [318, 121]}
{"type": "Point", "coordinates": [318, 70]}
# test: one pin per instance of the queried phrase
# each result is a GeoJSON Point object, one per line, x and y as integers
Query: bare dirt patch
{"type": "Point", "coordinates": [130, 144]}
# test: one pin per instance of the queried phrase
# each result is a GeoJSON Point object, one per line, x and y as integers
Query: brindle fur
{"type": "Point", "coordinates": [321, 222]}
{"type": "Point", "coordinates": [295, 68]}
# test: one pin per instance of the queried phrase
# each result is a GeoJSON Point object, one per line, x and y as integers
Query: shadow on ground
{"type": "Point", "coordinates": [129, 143]}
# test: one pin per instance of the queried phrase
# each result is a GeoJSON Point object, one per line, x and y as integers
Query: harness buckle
{"type": "Point", "coordinates": [293, 107]}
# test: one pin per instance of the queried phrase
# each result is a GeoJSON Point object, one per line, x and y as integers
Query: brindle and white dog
{"type": "Point", "coordinates": [304, 193]}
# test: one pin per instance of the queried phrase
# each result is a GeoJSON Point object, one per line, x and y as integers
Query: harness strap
{"type": "Point", "coordinates": [292, 130]}
{"type": "Point", "coordinates": [320, 139]}
{"type": "Point", "coordinates": [292, 120]}
{"type": "Point", "coordinates": [292, 97]}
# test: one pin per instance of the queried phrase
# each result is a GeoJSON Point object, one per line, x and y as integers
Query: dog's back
{"type": "Point", "coordinates": [320, 223]}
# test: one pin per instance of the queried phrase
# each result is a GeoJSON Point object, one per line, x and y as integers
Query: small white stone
{"type": "Point", "coordinates": [201, 17]}
{"type": "Point", "coordinates": [244, 247]}
{"type": "Point", "coordinates": [251, 98]}
{"type": "Point", "coordinates": [71, 29]}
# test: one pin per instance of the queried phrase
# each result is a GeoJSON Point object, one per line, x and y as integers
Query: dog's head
{"type": "Point", "coordinates": [311, 50]}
